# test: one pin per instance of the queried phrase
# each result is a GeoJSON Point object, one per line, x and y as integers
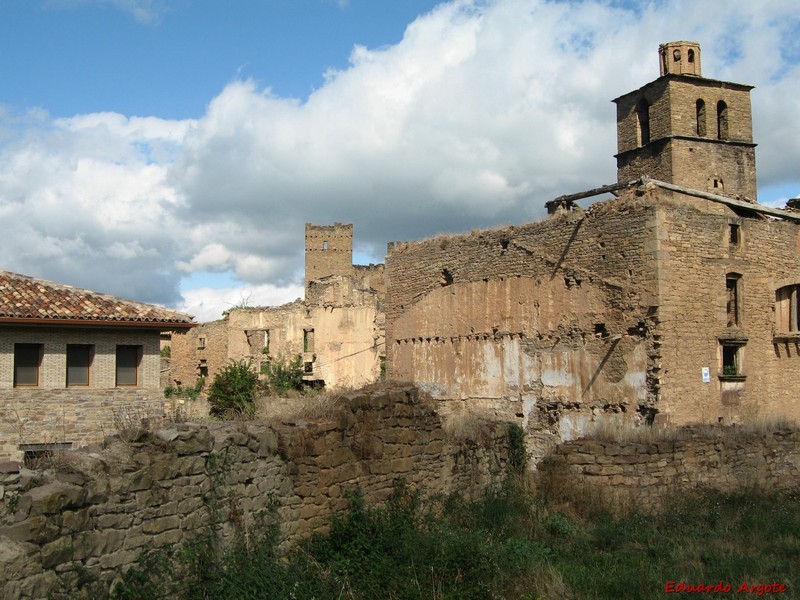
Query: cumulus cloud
{"type": "Point", "coordinates": [484, 111]}
{"type": "Point", "coordinates": [207, 304]}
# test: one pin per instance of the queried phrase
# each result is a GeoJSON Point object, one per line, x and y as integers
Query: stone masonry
{"type": "Point", "coordinates": [644, 474]}
{"type": "Point", "coordinates": [677, 300]}
{"type": "Point", "coordinates": [337, 332]}
{"type": "Point", "coordinates": [146, 490]}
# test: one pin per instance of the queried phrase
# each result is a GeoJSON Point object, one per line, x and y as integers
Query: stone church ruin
{"type": "Point", "coordinates": [675, 300]}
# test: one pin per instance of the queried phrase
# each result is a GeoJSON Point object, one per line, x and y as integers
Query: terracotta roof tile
{"type": "Point", "coordinates": [23, 297]}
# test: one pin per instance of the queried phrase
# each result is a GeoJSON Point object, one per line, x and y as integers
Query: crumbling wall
{"type": "Point", "coordinates": [198, 352]}
{"type": "Point", "coordinates": [348, 323]}
{"type": "Point", "coordinates": [644, 474]}
{"type": "Point", "coordinates": [163, 488]}
{"type": "Point", "coordinates": [551, 322]}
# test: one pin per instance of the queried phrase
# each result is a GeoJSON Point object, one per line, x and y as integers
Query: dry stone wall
{"type": "Point", "coordinates": [157, 489]}
{"type": "Point", "coordinates": [644, 474]}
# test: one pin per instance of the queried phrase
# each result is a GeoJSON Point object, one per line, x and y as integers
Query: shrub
{"type": "Point", "coordinates": [233, 391]}
{"type": "Point", "coordinates": [517, 453]}
{"type": "Point", "coordinates": [179, 391]}
{"type": "Point", "coordinates": [284, 375]}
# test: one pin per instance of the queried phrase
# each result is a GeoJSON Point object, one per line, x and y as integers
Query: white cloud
{"type": "Point", "coordinates": [208, 304]}
{"type": "Point", "coordinates": [484, 111]}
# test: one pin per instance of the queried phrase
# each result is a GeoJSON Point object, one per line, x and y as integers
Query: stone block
{"type": "Point", "coordinates": [57, 552]}
{"type": "Point", "coordinates": [52, 498]}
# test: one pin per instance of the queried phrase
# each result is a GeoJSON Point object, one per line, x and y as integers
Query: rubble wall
{"type": "Point", "coordinates": [645, 474]}
{"type": "Point", "coordinates": [162, 488]}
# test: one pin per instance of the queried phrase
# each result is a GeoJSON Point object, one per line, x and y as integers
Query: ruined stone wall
{"type": "Point", "coordinates": [162, 490]}
{"type": "Point", "coordinates": [549, 322]}
{"type": "Point", "coordinates": [644, 474]}
{"type": "Point", "coordinates": [329, 251]}
{"type": "Point", "coordinates": [199, 352]}
{"type": "Point", "coordinates": [348, 323]}
{"type": "Point", "coordinates": [696, 254]}
{"type": "Point", "coordinates": [373, 276]}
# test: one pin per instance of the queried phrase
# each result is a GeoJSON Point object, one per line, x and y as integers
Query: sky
{"type": "Point", "coordinates": [171, 151]}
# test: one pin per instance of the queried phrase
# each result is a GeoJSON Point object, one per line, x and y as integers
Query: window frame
{"type": "Point", "coordinates": [89, 349]}
{"type": "Point", "coordinates": [787, 310]}
{"type": "Point", "coordinates": [38, 348]}
{"type": "Point", "coordinates": [121, 350]}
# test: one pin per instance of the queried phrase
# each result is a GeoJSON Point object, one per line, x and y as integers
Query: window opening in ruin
{"type": "Point", "coordinates": [731, 360]}
{"type": "Point", "coordinates": [128, 360]}
{"type": "Point", "coordinates": [201, 343]}
{"type": "Point", "coordinates": [722, 120]}
{"type": "Point", "coordinates": [202, 370]}
{"type": "Point", "coordinates": [504, 244]}
{"type": "Point", "coordinates": [701, 118]}
{"type": "Point", "coordinates": [79, 360]}
{"type": "Point", "coordinates": [733, 293]}
{"type": "Point", "coordinates": [600, 330]}
{"type": "Point", "coordinates": [787, 309]}
{"type": "Point", "coordinates": [733, 234]}
{"type": "Point", "coordinates": [324, 245]}
{"type": "Point", "coordinates": [27, 363]}
{"type": "Point", "coordinates": [265, 349]}
{"type": "Point", "coordinates": [308, 340]}
{"type": "Point", "coordinates": [690, 55]}
{"type": "Point", "coordinates": [445, 278]}
{"type": "Point", "coordinates": [308, 368]}
{"type": "Point", "coordinates": [643, 122]}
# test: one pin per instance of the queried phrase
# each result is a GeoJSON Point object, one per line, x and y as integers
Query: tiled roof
{"type": "Point", "coordinates": [23, 297]}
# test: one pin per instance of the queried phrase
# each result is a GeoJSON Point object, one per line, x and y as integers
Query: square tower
{"type": "Point", "coordinates": [688, 130]}
{"type": "Point", "coordinates": [329, 251]}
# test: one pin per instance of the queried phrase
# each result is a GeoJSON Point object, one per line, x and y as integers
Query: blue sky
{"type": "Point", "coordinates": [170, 59]}
{"type": "Point", "coordinates": [171, 151]}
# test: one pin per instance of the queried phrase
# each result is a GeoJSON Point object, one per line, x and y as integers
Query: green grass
{"type": "Point", "coordinates": [508, 544]}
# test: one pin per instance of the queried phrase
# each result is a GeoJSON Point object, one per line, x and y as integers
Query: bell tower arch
{"type": "Point", "coordinates": [686, 129]}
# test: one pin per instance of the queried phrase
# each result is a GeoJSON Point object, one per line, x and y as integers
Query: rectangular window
{"type": "Point", "coordinates": [308, 340]}
{"type": "Point", "coordinates": [201, 343]}
{"type": "Point", "coordinates": [787, 309]}
{"type": "Point", "coordinates": [27, 362]}
{"type": "Point", "coordinates": [128, 360]}
{"type": "Point", "coordinates": [733, 234]}
{"type": "Point", "coordinates": [79, 360]}
{"type": "Point", "coordinates": [730, 360]}
{"type": "Point", "coordinates": [732, 281]}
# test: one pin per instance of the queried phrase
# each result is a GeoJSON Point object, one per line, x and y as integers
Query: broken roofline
{"type": "Point", "coordinates": [569, 199]}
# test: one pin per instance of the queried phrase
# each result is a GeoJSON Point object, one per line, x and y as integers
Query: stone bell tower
{"type": "Point", "coordinates": [688, 130]}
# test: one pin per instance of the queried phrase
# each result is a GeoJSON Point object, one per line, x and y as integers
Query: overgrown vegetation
{"type": "Point", "coordinates": [233, 390]}
{"type": "Point", "coordinates": [508, 544]}
{"type": "Point", "coordinates": [283, 375]}
{"type": "Point", "coordinates": [190, 392]}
